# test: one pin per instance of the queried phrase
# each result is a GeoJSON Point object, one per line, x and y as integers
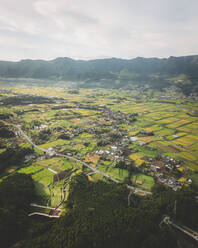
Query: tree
{"type": "Point", "coordinates": [16, 193]}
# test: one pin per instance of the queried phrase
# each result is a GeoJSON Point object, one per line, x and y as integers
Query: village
{"type": "Point", "coordinates": [129, 140]}
{"type": "Point", "coordinates": [108, 133]}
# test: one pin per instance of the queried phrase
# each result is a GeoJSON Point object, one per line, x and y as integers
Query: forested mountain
{"type": "Point", "coordinates": [110, 73]}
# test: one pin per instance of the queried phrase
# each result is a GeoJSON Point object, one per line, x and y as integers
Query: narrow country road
{"type": "Point", "coordinates": [94, 170]}
{"type": "Point", "coordinates": [193, 234]}
{"type": "Point", "coordinates": [46, 207]}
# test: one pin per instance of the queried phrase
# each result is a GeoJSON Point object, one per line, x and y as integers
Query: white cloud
{"type": "Point", "coordinates": [91, 28]}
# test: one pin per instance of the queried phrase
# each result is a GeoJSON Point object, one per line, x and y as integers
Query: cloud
{"type": "Point", "coordinates": [94, 29]}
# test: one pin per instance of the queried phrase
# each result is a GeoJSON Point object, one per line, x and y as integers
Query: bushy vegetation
{"type": "Point", "coordinates": [6, 133]}
{"type": "Point", "coordinates": [13, 156]}
{"type": "Point", "coordinates": [26, 99]}
{"type": "Point", "coordinates": [98, 216]}
{"type": "Point", "coordinates": [16, 193]}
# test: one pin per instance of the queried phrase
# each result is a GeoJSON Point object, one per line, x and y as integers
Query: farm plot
{"type": "Point", "coordinates": [147, 139]}
{"type": "Point", "coordinates": [137, 158]}
{"type": "Point", "coordinates": [190, 128]}
{"type": "Point", "coordinates": [143, 123]}
{"type": "Point", "coordinates": [194, 147]}
{"type": "Point", "coordinates": [178, 123]}
{"type": "Point", "coordinates": [153, 128]}
{"type": "Point", "coordinates": [193, 166]}
{"type": "Point", "coordinates": [185, 141]}
{"type": "Point", "coordinates": [119, 174]}
{"type": "Point", "coordinates": [56, 163]}
{"type": "Point", "coordinates": [165, 132]}
{"type": "Point", "coordinates": [58, 142]}
{"type": "Point", "coordinates": [167, 120]}
{"type": "Point", "coordinates": [143, 181]}
{"type": "Point", "coordinates": [32, 169]}
{"type": "Point", "coordinates": [92, 158]}
{"type": "Point", "coordinates": [42, 180]}
{"type": "Point", "coordinates": [188, 156]}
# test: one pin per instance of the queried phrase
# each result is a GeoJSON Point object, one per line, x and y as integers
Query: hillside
{"type": "Point", "coordinates": [181, 72]}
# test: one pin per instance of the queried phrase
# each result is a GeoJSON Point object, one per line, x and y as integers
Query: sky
{"type": "Point", "coordinates": [91, 29]}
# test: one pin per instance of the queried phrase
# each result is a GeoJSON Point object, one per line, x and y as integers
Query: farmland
{"type": "Point", "coordinates": [135, 138]}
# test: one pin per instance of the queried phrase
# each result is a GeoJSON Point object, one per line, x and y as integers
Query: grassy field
{"type": "Point", "coordinates": [143, 181]}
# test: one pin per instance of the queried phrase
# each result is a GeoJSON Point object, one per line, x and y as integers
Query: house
{"type": "Point", "coordinates": [114, 148]}
{"type": "Point", "coordinates": [189, 181]}
{"type": "Point", "coordinates": [43, 127]}
{"type": "Point", "coordinates": [50, 152]}
{"type": "Point", "coordinates": [29, 157]}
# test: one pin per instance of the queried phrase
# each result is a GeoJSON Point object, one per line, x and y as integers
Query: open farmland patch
{"type": "Point", "coordinates": [194, 147]}
{"type": "Point", "coordinates": [192, 166]}
{"type": "Point", "coordinates": [142, 123]}
{"type": "Point", "coordinates": [188, 156]}
{"type": "Point", "coordinates": [119, 174]}
{"type": "Point", "coordinates": [184, 116]}
{"type": "Point", "coordinates": [58, 142]}
{"type": "Point", "coordinates": [165, 132]}
{"type": "Point", "coordinates": [43, 179]}
{"type": "Point", "coordinates": [137, 158]}
{"type": "Point", "coordinates": [93, 158]}
{"type": "Point", "coordinates": [147, 139]}
{"type": "Point", "coordinates": [57, 163]}
{"type": "Point", "coordinates": [178, 123]}
{"type": "Point", "coordinates": [185, 141]}
{"type": "Point", "coordinates": [193, 137]}
{"type": "Point", "coordinates": [144, 181]}
{"type": "Point", "coordinates": [167, 120]}
{"type": "Point", "coordinates": [180, 134]}
{"type": "Point", "coordinates": [190, 127]}
{"type": "Point", "coordinates": [32, 169]}
{"type": "Point", "coordinates": [153, 128]}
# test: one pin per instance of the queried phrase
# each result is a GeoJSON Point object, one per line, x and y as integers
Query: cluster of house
{"type": "Point", "coordinates": [118, 116]}
{"type": "Point", "coordinates": [168, 171]}
{"type": "Point", "coordinates": [172, 182]}
{"type": "Point", "coordinates": [114, 153]}
{"type": "Point", "coordinates": [71, 132]}
{"type": "Point", "coordinates": [41, 127]}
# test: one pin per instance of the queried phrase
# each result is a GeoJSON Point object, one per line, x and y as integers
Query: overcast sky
{"type": "Point", "coordinates": [87, 29]}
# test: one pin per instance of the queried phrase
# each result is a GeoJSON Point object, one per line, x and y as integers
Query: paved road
{"type": "Point", "coordinates": [46, 207]}
{"type": "Point", "coordinates": [94, 170]}
{"type": "Point", "coordinates": [193, 235]}
{"type": "Point", "coordinates": [46, 215]}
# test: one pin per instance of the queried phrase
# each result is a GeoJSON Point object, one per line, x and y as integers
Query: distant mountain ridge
{"type": "Point", "coordinates": [105, 72]}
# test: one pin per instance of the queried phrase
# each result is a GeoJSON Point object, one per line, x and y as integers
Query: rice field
{"type": "Point", "coordinates": [175, 132]}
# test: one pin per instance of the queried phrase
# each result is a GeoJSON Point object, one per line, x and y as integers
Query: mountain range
{"type": "Point", "coordinates": [181, 72]}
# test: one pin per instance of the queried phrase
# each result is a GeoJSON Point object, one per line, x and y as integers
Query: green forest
{"type": "Point", "coordinates": [180, 72]}
{"type": "Point", "coordinates": [97, 215]}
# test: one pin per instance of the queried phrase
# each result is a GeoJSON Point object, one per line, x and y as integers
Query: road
{"type": "Point", "coordinates": [46, 207]}
{"type": "Point", "coordinates": [193, 234]}
{"type": "Point", "coordinates": [42, 214]}
{"type": "Point", "coordinates": [94, 170]}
